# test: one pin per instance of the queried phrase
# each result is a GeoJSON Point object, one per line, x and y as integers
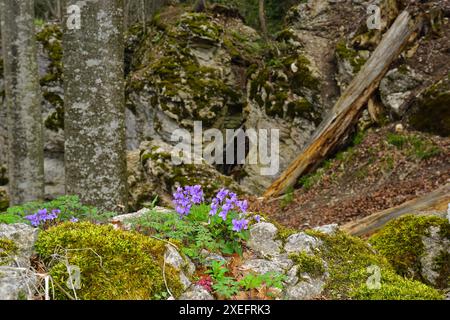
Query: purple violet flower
{"type": "Point", "coordinates": [239, 225]}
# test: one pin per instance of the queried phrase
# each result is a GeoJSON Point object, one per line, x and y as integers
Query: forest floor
{"type": "Point", "coordinates": [381, 170]}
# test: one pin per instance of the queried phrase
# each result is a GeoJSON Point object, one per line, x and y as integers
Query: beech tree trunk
{"type": "Point", "coordinates": [95, 159]}
{"type": "Point", "coordinates": [23, 101]}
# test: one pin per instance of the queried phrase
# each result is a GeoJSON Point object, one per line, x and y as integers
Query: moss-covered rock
{"type": "Point", "coordinates": [431, 113]}
{"type": "Point", "coordinates": [151, 172]}
{"type": "Point", "coordinates": [50, 39]}
{"type": "Point", "coordinates": [7, 249]}
{"type": "Point", "coordinates": [418, 247]}
{"type": "Point", "coordinates": [189, 66]}
{"type": "Point", "coordinates": [114, 264]}
{"type": "Point", "coordinates": [347, 260]}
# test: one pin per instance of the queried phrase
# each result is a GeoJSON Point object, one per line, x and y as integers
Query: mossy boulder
{"type": "Point", "coordinates": [349, 62]}
{"type": "Point", "coordinates": [114, 264]}
{"type": "Point", "coordinates": [151, 172]}
{"type": "Point", "coordinates": [431, 112]}
{"type": "Point", "coordinates": [283, 94]}
{"type": "Point", "coordinates": [346, 260]}
{"type": "Point", "coordinates": [417, 247]}
{"type": "Point", "coordinates": [189, 67]}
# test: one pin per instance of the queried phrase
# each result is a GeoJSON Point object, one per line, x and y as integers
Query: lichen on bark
{"type": "Point", "coordinates": [94, 117]}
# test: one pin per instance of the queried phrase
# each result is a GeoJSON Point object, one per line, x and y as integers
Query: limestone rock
{"type": "Point", "coordinates": [301, 242]}
{"type": "Point", "coordinates": [435, 247]}
{"type": "Point", "coordinates": [151, 172]}
{"type": "Point", "coordinates": [16, 283]}
{"type": "Point", "coordinates": [397, 87]}
{"type": "Point", "coordinates": [305, 290]}
{"type": "Point", "coordinates": [262, 241]}
{"type": "Point", "coordinates": [329, 229]}
{"type": "Point", "coordinates": [24, 237]}
{"type": "Point", "coordinates": [261, 266]}
{"type": "Point", "coordinates": [196, 292]}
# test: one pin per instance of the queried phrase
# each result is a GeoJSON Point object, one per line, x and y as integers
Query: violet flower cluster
{"type": "Point", "coordinates": [43, 215]}
{"type": "Point", "coordinates": [226, 201]}
{"type": "Point", "coordinates": [185, 197]}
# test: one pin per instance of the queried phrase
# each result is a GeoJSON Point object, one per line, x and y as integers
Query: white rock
{"type": "Point", "coordinates": [196, 292]}
{"type": "Point", "coordinates": [301, 242]}
{"type": "Point", "coordinates": [305, 290]}
{"type": "Point", "coordinates": [24, 236]}
{"type": "Point", "coordinates": [262, 241]}
{"type": "Point", "coordinates": [261, 266]}
{"type": "Point", "coordinates": [434, 246]}
{"type": "Point", "coordinates": [328, 229]}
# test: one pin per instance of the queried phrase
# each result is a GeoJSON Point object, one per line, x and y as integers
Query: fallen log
{"type": "Point", "coordinates": [431, 203]}
{"type": "Point", "coordinates": [346, 110]}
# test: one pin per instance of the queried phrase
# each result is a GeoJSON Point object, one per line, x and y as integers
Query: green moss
{"type": "Point", "coordinates": [400, 241]}
{"type": "Point", "coordinates": [50, 37]}
{"type": "Point", "coordinates": [114, 264]}
{"type": "Point", "coordinates": [347, 259]}
{"type": "Point", "coordinates": [351, 55]}
{"type": "Point", "coordinates": [199, 25]}
{"type": "Point", "coordinates": [7, 248]}
{"type": "Point", "coordinates": [285, 35]}
{"type": "Point", "coordinates": [431, 112]}
{"type": "Point", "coordinates": [308, 263]}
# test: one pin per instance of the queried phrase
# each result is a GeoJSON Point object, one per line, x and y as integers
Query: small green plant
{"type": "Point", "coordinates": [220, 227]}
{"type": "Point", "coordinates": [227, 286]}
{"type": "Point", "coordinates": [9, 218]}
{"type": "Point", "coordinates": [69, 206]}
{"type": "Point", "coordinates": [269, 279]}
{"type": "Point", "coordinates": [223, 285]}
{"type": "Point", "coordinates": [414, 146]}
{"type": "Point", "coordinates": [287, 198]}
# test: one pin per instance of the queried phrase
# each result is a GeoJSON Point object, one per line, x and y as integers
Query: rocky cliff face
{"type": "Point", "coordinates": [211, 67]}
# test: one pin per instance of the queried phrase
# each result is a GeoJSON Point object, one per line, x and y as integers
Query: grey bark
{"type": "Point", "coordinates": [94, 120]}
{"type": "Point", "coordinates": [23, 101]}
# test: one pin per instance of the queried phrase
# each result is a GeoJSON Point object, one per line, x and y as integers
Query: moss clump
{"type": "Point", "coordinates": [50, 37]}
{"type": "Point", "coordinates": [7, 249]}
{"type": "Point", "coordinates": [351, 55]}
{"type": "Point", "coordinates": [347, 259]}
{"type": "Point", "coordinates": [400, 241]}
{"type": "Point", "coordinates": [286, 81]}
{"type": "Point", "coordinates": [308, 263]}
{"type": "Point", "coordinates": [199, 25]}
{"type": "Point", "coordinates": [431, 112]}
{"type": "Point", "coordinates": [114, 264]}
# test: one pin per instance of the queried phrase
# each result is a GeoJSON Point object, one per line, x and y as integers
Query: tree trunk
{"type": "Point", "coordinates": [23, 101]}
{"type": "Point", "coordinates": [95, 160]}
{"type": "Point", "coordinates": [262, 19]}
{"type": "Point", "coordinates": [347, 109]}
